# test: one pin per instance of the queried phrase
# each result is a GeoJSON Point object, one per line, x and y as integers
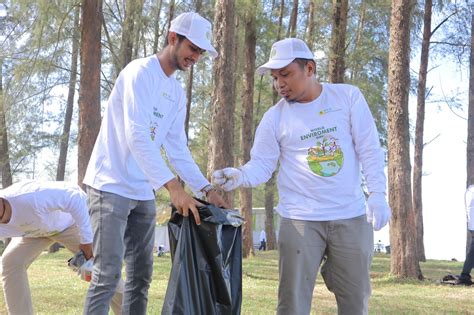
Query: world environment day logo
{"type": "Point", "coordinates": [326, 158]}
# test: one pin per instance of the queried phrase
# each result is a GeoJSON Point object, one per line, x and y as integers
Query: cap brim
{"type": "Point", "coordinates": [211, 51]}
{"type": "Point", "coordinates": [206, 45]}
{"type": "Point", "coordinates": [273, 64]}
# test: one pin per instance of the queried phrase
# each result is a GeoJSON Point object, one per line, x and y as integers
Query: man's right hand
{"type": "Point", "coordinates": [182, 200]}
{"type": "Point", "coordinates": [378, 210]}
{"type": "Point", "coordinates": [228, 178]}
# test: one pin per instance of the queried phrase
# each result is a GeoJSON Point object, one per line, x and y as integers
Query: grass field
{"type": "Point", "coordinates": [57, 290]}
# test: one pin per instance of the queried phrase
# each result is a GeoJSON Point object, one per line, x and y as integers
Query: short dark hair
{"type": "Point", "coordinates": [303, 62]}
{"type": "Point", "coordinates": [180, 39]}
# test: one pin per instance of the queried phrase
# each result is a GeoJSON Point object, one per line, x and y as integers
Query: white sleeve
{"type": "Point", "coordinates": [265, 152]}
{"type": "Point", "coordinates": [367, 143]}
{"type": "Point", "coordinates": [70, 199]}
{"type": "Point", "coordinates": [179, 156]}
{"type": "Point", "coordinates": [136, 96]}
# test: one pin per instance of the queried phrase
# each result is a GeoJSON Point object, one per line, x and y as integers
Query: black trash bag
{"type": "Point", "coordinates": [206, 274]}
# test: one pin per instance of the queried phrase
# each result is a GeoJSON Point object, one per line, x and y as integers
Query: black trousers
{"type": "Point", "coordinates": [469, 263]}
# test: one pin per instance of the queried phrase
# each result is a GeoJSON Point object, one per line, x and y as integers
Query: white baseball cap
{"type": "Point", "coordinates": [284, 52]}
{"type": "Point", "coordinates": [195, 28]}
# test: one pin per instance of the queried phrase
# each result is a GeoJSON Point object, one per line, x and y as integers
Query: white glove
{"type": "Point", "coordinates": [85, 271]}
{"type": "Point", "coordinates": [228, 178]}
{"type": "Point", "coordinates": [378, 211]}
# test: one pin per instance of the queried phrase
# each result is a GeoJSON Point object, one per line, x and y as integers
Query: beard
{"type": "Point", "coordinates": [175, 59]}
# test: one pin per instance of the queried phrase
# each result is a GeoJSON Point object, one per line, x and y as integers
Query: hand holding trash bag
{"type": "Point", "coordinates": [213, 197]}
{"type": "Point", "coordinates": [182, 201]}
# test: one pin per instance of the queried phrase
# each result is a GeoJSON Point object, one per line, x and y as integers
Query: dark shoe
{"type": "Point", "coordinates": [464, 280]}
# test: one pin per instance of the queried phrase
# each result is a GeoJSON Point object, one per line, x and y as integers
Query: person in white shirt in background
{"type": "Point", "coordinates": [145, 112]}
{"type": "Point", "coordinates": [321, 134]}
{"type": "Point", "coordinates": [465, 277]}
{"type": "Point", "coordinates": [263, 240]}
{"type": "Point", "coordinates": [35, 215]}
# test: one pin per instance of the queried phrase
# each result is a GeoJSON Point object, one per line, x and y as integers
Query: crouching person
{"type": "Point", "coordinates": [35, 215]}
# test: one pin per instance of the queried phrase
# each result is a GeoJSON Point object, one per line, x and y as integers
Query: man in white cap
{"type": "Point", "coordinates": [35, 215]}
{"type": "Point", "coordinates": [146, 112]}
{"type": "Point", "coordinates": [465, 277]}
{"type": "Point", "coordinates": [320, 134]}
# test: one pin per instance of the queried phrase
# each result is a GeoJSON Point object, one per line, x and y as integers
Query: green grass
{"type": "Point", "coordinates": [57, 290]}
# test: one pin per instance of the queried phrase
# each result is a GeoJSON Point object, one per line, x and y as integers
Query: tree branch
{"type": "Point", "coordinates": [426, 143]}
{"type": "Point", "coordinates": [450, 44]}
{"type": "Point", "coordinates": [442, 22]}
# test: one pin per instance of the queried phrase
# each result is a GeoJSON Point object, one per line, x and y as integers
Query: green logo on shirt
{"type": "Point", "coordinates": [326, 157]}
{"type": "Point", "coordinates": [328, 110]}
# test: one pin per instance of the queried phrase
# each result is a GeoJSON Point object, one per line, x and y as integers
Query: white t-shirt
{"type": "Point", "coordinates": [146, 111]}
{"type": "Point", "coordinates": [321, 147]}
{"type": "Point", "coordinates": [42, 209]}
{"type": "Point", "coordinates": [263, 236]}
{"type": "Point", "coordinates": [469, 200]}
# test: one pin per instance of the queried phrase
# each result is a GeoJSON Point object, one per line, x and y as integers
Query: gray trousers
{"type": "Point", "coordinates": [124, 229]}
{"type": "Point", "coordinates": [347, 246]}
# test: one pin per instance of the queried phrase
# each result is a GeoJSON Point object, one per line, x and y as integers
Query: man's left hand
{"type": "Point", "coordinates": [87, 250]}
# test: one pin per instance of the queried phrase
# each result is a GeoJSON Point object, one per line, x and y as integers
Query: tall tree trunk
{"type": "Point", "coordinates": [64, 145]}
{"type": "Point", "coordinates": [89, 90]}
{"type": "Point", "coordinates": [404, 262]}
{"type": "Point", "coordinates": [338, 41]}
{"type": "Point", "coordinates": [280, 19]}
{"type": "Point", "coordinates": [189, 86]}
{"type": "Point", "coordinates": [133, 12]}
{"type": "Point", "coordinates": [470, 119]}
{"type": "Point", "coordinates": [221, 139]}
{"type": "Point", "coordinates": [272, 7]}
{"type": "Point", "coordinates": [270, 185]}
{"type": "Point", "coordinates": [294, 16]}
{"type": "Point", "coordinates": [189, 94]}
{"type": "Point", "coordinates": [170, 13]}
{"type": "Point", "coordinates": [4, 151]}
{"type": "Point", "coordinates": [310, 24]}
{"type": "Point", "coordinates": [246, 136]}
{"type": "Point", "coordinates": [156, 26]}
{"type": "Point", "coordinates": [360, 29]}
{"type": "Point", "coordinates": [269, 206]}
{"type": "Point", "coordinates": [419, 129]}
{"type": "Point", "coordinates": [470, 124]}
{"type": "Point", "coordinates": [61, 170]}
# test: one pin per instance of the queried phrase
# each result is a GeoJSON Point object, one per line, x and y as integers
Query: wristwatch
{"type": "Point", "coordinates": [207, 189]}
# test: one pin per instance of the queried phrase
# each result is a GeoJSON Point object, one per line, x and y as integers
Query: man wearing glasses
{"type": "Point", "coordinates": [35, 215]}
